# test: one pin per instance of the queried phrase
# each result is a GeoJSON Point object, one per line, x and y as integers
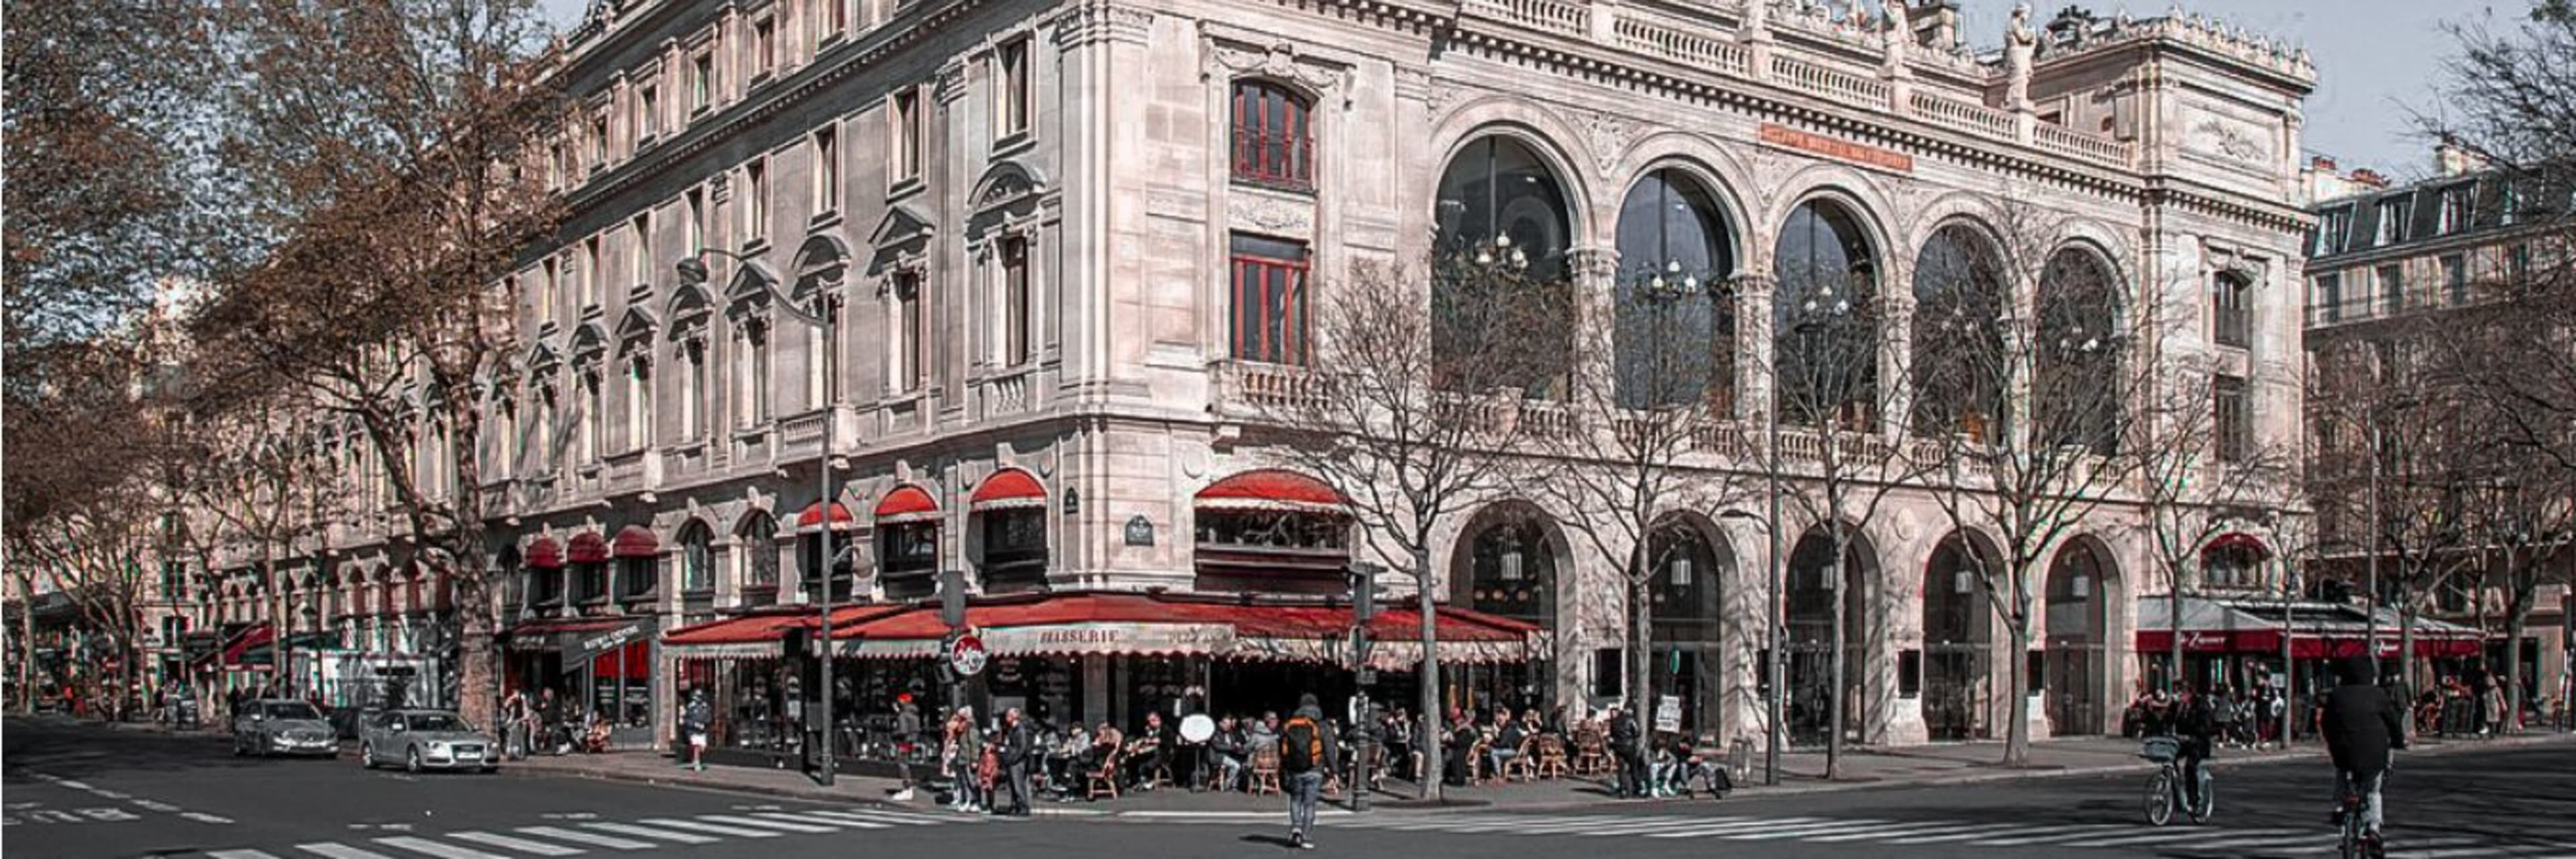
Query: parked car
{"type": "Point", "coordinates": [282, 726]}
{"type": "Point", "coordinates": [424, 739]}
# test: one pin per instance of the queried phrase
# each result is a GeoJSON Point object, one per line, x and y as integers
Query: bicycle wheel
{"type": "Point", "coordinates": [2160, 799]}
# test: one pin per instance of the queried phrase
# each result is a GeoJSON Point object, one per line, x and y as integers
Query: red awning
{"type": "Point", "coordinates": [1130, 624]}
{"type": "Point", "coordinates": [1272, 490]}
{"type": "Point", "coordinates": [907, 503]}
{"type": "Point", "coordinates": [537, 634]}
{"type": "Point", "coordinates": [544, 554]}
{"type": "Point", "coordinates": [255, 635]}
{"type": "Point", "coordinates": [1009, 488]}
{"type": "Point", "coordinates": [2220, 625]}
{"type": "Point", "coordinates": [813, 516]}
{"type": "Point", "coordinates": [634, 541]}
{"type": "Point", "coordinates": [588, 548]}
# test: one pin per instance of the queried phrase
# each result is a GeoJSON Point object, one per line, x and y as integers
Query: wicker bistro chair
{"type": "Point", "coordinates": [1479, 770]}
{"type": "Point", "coordinates": [1591, 753]}
{"type": "Point", "coordinates": [1265, 771]}
{"type": "Point", "coordinates": [1522, 766]}
{"type": "Point", "coordinates": [1104, 780]}
{"type": "Point", "coordinates": [1552, 762]}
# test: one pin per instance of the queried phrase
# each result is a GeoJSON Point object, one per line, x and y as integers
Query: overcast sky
{"type": "Point", "coordinates": [2377, 60]}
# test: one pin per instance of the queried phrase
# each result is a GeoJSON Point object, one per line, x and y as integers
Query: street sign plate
{"type": "Point", "coordinates": [966, 655]}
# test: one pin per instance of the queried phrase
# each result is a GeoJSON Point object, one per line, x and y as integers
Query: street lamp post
{"type": "Point", "coordinates": [693, 270]}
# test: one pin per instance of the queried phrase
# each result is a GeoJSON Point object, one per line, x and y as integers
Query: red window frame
{"type": "Point", "coordinates": [1274, 135]}
{"type": "Point", "coordinates": [1269, 307]}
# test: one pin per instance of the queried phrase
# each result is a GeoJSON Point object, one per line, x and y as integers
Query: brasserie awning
{"type": "Point", "coordinates": [2316, 630]}
{"type": "Point", "coordinates": [1131, 624]}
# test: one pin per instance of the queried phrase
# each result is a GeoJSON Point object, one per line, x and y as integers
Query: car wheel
{"type": "Point", "coordinates": [366, 756]}
{"type": "Point", "coordinates": [411, 760]}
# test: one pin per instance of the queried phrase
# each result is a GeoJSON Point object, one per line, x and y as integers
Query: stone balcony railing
{"type": "Point", "coordinates": [1705, 45]}
{"type": "Point", "coordinates": [1006, 393]}
{"type": "Point", "coordinates": [1267, 388]}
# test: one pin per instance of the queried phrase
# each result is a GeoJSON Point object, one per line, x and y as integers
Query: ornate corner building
{"type": "Point", "coordinates": [1071, 249]}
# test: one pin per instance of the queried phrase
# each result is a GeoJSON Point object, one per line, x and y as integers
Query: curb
{"type": "Point", "coordinates": [1972, 777]}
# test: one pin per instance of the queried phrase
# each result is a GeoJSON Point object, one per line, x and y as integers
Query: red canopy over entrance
{"type": "Point", "coordinates": [1130, 624]}
{"type": "Point", "coordinates": [2317, 630]}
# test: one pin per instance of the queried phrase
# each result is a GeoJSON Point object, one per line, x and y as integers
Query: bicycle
{"type": "Point", "coordinates": [2357, 842]}
{"type": "Point", "coordinates": [2164, 789]}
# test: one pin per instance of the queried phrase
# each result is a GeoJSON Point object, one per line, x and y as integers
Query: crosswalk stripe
{"type": "Point", "coordinates": [239, 854]}
{"type": "Point", "coordinates": [741, 820]}
{"type": "Point", "coordinates": [1697, 831]}
{"type": "Point", "coordinates": [1918, 829]}
{"type": "Point", "coordinates": [2174, 835]}
{"type": "Point", "coordinates": [433, 848]}
{"type": "Point", "coordinates": [561, 834]}
{"type": "Point", "coordinates": [1598, 825]}
{"type": "Point", "coordinates": [340, 851]}
{"type": "Point", "coordinates": [2271, 843]}
{"type": "Point", "coordinates": [885, 816]}
{"type": "Point", "coordinates": [815, 819]}
{"type": "Point", "coordinates": [718, 829]}
{"type": "Point", "coordinates": [2463, 853]}
{"type": "Point", "coordinates": [1802, 830]}
{"type": "Point", "coordinates": [647, 832]}
{"type": "Point", "coordinates": [1989, 830]}
{"type": "Point", "coordinates": [522, 845]}
{"type": "Point", "coordinates": [2063, 833]}
{"type": "Point", "coordinates": [1883, 830]}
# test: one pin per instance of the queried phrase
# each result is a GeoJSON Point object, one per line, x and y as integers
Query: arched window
{"type": "Point", "coordinates": [908, 543]}
{"type": "Point", "coordinates": [1825, 312]}
{"type": "Point", "coordinates": [2232, 561]}
{"type": "Point", "coordinates": [1499, 291]}
{"type": "Point", "coordinates": [697, 559]}
{"type": "Point", "coordinates": [2077, 389]}
{"type": "Point", "coordinates": [1960, 369]}
{"type": "Point", "coordinates": [1676, 324]}
{"type": "Point", "coordinates": [1271, 532]}
{"type": "Point", "coordinates": [1009, 509]}
{"type": "Point", "coordinates": [756, 542]}
{"type": "Point", "coordinates": [1274, 136]}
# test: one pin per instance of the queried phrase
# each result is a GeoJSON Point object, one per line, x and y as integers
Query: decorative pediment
{"type": "Point", "coordinates": [821, 264]}
{"type": "Point", "coordinates": [543, 360]}
{"type": "Point", "coordinates": [749, 288]}
{"type": "Point", "coordinates": [688, 307]}
{"type": "Point", "coordinates": [1235, 52]}
{"type": "Point", "coordinates": [588, 343]}
{"type": "Point", "coordinates": [902, 227]}
{"type": "Point", "coordinates": [635, 329]}
{"type": "Point", "coordinates": [1005, 183]}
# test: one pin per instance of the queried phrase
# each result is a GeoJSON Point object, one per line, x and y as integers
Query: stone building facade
{"type": "Point", "coordinates": [1071, 246]}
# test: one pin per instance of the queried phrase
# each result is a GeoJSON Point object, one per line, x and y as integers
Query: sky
{"type": "Point", "coordinates": [2377, 60]}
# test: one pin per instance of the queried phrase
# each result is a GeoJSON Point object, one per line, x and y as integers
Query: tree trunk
{"type": "Point", "coordinates": [1641, 663]}
{"type": "Point", "coordinates": [1429, 784]}
{"type": "Point", "coordinates": [1837, 671]}
{"type": "Point", "coordinates": [478, 674]}
{"type": "Point", "coordinates": [2017, 630]}
{"type": "Point", "coordinates": [2513, 629]}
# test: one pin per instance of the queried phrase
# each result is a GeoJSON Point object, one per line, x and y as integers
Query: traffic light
{"type": "Point", "coordinates": [1363, 576]}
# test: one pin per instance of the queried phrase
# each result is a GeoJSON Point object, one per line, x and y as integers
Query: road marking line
{"type": "Point", "coordinates": [239, 854]}
{"type": "Point", "coordinates": [664, 834]}
{"type": "Point", "coordinates": [153, 805]}
{"type": "Point", "coordinates": [1941, 828]}
{"type": "Point", "coordinates": [202, 817]}
{"type": "Point", "coordinates": [710, 827]}
{"type": "Point", "coordinates": [2182, 835]}
{"type": "Point", "coordinates": [113, 794]}
{"type": "Point", "coordinates": [773, 824]}
{"type": "Point", "coordinates": [75, 785]}
{"type": "Point", "coordinates": [2068, 832]}
{"type": "Point", "coordinates": [889, 816]}
{"type": "Point", "coordinates": [1988, 830]}
{"type": "Point", "coordinates": [1604, 824]}
{"type": "Point", "coordinates": [1885, 830]}
{"type": "Point", "coordinates": [1617, 826]}
{"type": "Point", "coordinates": [1746, 826]}
{"type": "Point", "coordinates": [519, 844]}
{"type": "Point", "coordinates": [2275, 842]}
{"type": "Point", "coordinates": [814, 820]}
{"type": "Point", "coordinates": [1802, 830]}
{"type": "Point", "coordinates": [2462, 853]}
{"type": "Point", "coordinates": [561, 834]}
{"type": "Point", "coordinates": [340, 851]}
{"type": "Point", "coordinates": [433, 848]}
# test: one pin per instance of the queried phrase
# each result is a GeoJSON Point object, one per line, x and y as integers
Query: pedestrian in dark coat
{"type": "Point", "coordinates": [1624, 737]}
{"type": "Point", "coordinates": [1017, 746]}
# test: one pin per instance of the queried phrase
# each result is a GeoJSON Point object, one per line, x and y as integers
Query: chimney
{"type": "Point", "coordinates": [2323, 164]}
{"type": "Point", "coordinates": [2367, 176]}
{"type": "Point", "coordinates": [2452, 159]}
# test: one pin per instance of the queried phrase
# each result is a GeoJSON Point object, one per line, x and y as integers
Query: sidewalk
{"type": "Point", "coordinates": [1801, 773]}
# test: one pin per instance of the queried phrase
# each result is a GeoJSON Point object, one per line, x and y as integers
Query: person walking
{"type": "Point", "coordinates": [907, 731]}
{"type": "Point", "coordinates": [514, 725]}
{"type": "Point", "coordinates": [694, 720]}
{"type": "Point", "coordinates": [965, 753]}
{"type": "Point", "coordinates": [1307, 750]}
{"type": "Point", "coordinates": [1017, 746]}
{"type": "Point", "coordinates": [1624, 737]}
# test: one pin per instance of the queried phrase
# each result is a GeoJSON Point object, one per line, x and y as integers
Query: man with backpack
{"type": "Point", "coordinates": [1307, 750]}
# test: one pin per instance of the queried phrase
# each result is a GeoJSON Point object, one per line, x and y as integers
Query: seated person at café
{"type": "Point", "coordinates": [1507, 741]}
{"type": "Point", "coordinates": [1150, 751]}
{"type": "Point", "coordinates": [1104, 741]}
{"type": "Point", "coordinates": [1232, 750]}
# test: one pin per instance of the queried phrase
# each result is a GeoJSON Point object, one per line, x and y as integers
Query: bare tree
{"type": "Point", "coordinates": [1410, 404]}
{"type": "Point", "coordinates": [391, 139]}
{"type": "Point", "coordinates": [1647, 437]}
{"type": "Point", "coordinates": [1833, 455]}
{"type": "Point", "coordinates": [258, 472]}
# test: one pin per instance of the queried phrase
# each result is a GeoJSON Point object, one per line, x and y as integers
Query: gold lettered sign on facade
{"type": "Point", "coordinates": [1837, 148]}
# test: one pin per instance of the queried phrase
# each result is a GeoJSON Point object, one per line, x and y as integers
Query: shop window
{"type": "Point", "coordinates": [1277, 550]}
{"type": "Point", "coordinates": [908, 558]}
{"type": "Point", "coordinates": [1015, 546]}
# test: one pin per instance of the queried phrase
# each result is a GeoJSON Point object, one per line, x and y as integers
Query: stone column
{"type": "Point", "coordinates": [1595, 273]}
{"type": "Point", "coordinates": [1754, 339]}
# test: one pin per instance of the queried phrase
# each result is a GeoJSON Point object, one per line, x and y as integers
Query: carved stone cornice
{"type": "Point", "coordinates": [1101, 20]}
{"type": "Point", "coordinates": [949, 83]}
{"type": "Point", "coordinates": [1231, 51]}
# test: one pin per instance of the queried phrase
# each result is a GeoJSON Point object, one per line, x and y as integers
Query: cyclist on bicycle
{"type": "Point", "coordinates": [2192, 724]}
{"type": "Point", "coordinates": [2361, 725]}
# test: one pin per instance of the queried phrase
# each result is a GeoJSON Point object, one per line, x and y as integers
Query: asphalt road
{"type": "Point", "coordinates": [78, 792]}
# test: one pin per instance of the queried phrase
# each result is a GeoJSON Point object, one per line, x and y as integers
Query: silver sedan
{"type": "Point", "coordinates": [424, 739]}
{"type": "Point", "coordinates": [282, 726]}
